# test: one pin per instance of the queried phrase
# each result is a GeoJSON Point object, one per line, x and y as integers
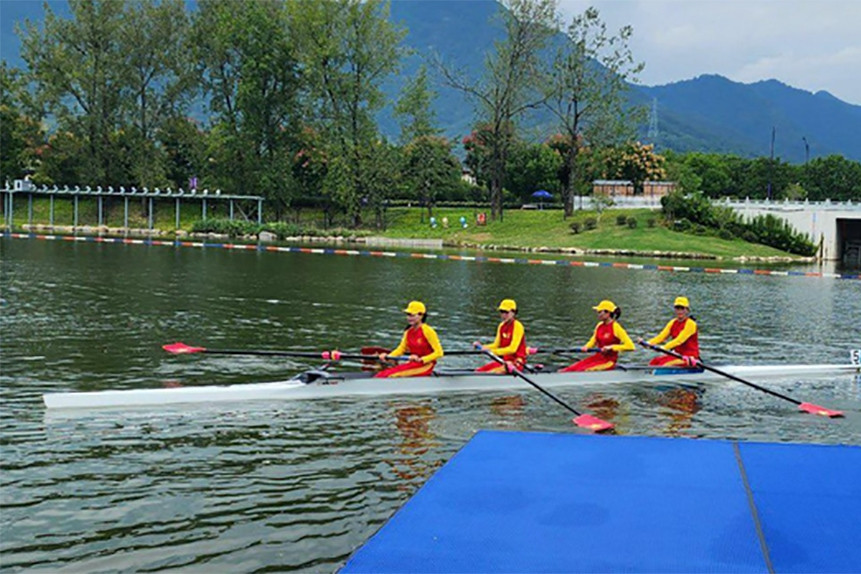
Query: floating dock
{"type": "Point", "coordinates": [539, 502]}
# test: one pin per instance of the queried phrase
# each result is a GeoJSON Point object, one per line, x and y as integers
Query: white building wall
{"type": "Point", "coordinates": [817, 219]}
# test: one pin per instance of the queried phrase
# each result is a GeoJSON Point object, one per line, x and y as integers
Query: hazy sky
{"type": "Point", "coordinates": [809, 44]}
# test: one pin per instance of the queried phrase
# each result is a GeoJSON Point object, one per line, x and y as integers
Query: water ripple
{"type": "Point", "coordinates": [297, 487]}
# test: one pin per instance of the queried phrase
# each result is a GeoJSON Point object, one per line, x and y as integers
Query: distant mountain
{"type": "Point", "coordinates": [716, 114]}
{"type": "Point", "coordinates": [707, 113]}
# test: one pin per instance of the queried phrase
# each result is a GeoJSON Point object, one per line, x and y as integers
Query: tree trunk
{"type": "Point", "coordinates": [497, 180]}
{"type": "Point", "coordinates": [495, 198]}
{"type": "Point", "coordinates": [568, 184]}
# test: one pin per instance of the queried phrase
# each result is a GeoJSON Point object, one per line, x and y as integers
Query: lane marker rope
{"type": "Point", "coordinates": [437, 256]}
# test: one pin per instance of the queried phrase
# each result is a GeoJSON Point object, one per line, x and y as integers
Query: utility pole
{"type": "Point", "coordinates": [771, 163]}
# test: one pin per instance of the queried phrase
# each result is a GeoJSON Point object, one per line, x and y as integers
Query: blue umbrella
{"type": "Point", "coordinates": [542, 194]}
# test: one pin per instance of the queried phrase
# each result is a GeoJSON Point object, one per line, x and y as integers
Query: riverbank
{"type": "Point", "coordinates": [617, 232]}
{"type": "Point", "coordinates": [111, 233]}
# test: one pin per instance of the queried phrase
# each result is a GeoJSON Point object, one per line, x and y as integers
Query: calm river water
{"type": "Point", "coordinates": [297, 486]}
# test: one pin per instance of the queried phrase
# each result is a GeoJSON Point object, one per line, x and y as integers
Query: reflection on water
{"type": "Point", "coordinates": [681, 403]}
{"type": "Point", "coordinates": [297, 486]}
{"type": "Point", "coordinates": [413, 422]}
{"type": "Point", "coordinates": [509, 407]}
{"type": "Point", "coordinates": [603, 407]}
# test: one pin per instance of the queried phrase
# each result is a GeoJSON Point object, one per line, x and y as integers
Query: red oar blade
{"type": "Point", "coordinates": [817, 410]}
{"type": "Point", "coordinates": [374, 350]}
{"type": "Point", "coordinates": [181, 348]}
{"type": "Point", "coordinates": [371, 363]}
{"type": "Point", "coordinates": [592, 423]}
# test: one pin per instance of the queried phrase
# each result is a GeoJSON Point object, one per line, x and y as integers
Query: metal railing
{"type": "Point", "coordinates": [790, 205]}
{"type": "Point", "coordinates": [30, 190]}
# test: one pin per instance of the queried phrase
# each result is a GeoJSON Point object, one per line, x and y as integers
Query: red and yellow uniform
{"type": "Point", "coordinates": [611, 335]}
{"type": "Point", "coordinates": [420, 340]}
{"type": "Point", "coordinates": [683, 340]}
{"type": "Point", "coordinates": [509, 345]}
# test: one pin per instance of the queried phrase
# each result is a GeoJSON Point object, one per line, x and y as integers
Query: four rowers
{"type": "Point", "coordinates": [609, 338]}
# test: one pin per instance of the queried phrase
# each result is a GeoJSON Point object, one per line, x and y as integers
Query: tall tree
{"type": "Point", "coordinates": [383, 175]}
{"type": "Point", "coordinates": [586, 91]}
{"type": "Point", "coordinates": [508, 86]}
{"type": "Point", "coordinates": [184, 145]}
{"type": "Point", "coordinates": [832, 177]}
{"type": "Point", "coordinates": [637, 163]}
{"type": "Point", "coordinates": [159, 78]}
{"type": "Point", "coordinates": [79, 72]}
{"type": "Point", "coordinates": [533, 167]}
{"type": "Point", "coordinates": [413, 109]}
{"type": "Point", "coordinates": [430, 169]}
{"type": "Point", "coordinates": [347, 49]}
{"type": "Point", "coordinates": [21, 133]}
{"type": "Point", "coordinates": [247, 59]}
{"type": "Point", "coordinates": [713, 171]}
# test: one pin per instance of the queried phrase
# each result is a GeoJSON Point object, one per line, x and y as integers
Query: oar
{"type": "Point", "coordinates": [590, 422]}
{"type": "Point", "coordinates": [569, 350]}
{"type": "Point", "coordinates": [529, 351]}
{"type": "Point", "coordinates": [806, 407]}
{"type": "Point", "coordinates": [182, 348]}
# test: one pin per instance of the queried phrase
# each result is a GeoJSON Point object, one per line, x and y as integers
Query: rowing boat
{"type": "Point", "coordinates": [324, 384]}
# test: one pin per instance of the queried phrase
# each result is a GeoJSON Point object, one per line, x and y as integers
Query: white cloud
{"type": "Point", "coordinates": [810, 44]}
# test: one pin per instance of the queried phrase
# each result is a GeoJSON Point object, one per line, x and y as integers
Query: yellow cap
{"type": "Point", "coordinates": [415, 308]}
{"type": "Point", "coordinates": [682, 302]}
{"type": "Point", "coordinates": [605, 305]}
{"type": "Point", "coordinates": [507, 305]}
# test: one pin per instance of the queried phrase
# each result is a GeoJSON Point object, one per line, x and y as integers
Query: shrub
{"type": "Point", "coordinates": [695, 212]}
{"type": "Point", "coordinates": [725, 233]}
{"type": "Point", "coordinates": [681, 225]}
{"type": "Point", "coordinates": [695, 207]}
{"type": "Point", "coordinates": [282, 229]}
{"type": "Point", "coordinates": [621, 220]}
{"type": "Point", "coordinates": [224, 226]}
{"type": "Point", "coordinates": [590, 223]}
{"type": "Point", "coordinates": [651, 222]}
{"type": "Point", "coordinates": [778, 233]}
{"type": "Point", "coordinates": [576, 227]}
{"type": "Point", "coordinates": [632, 222]}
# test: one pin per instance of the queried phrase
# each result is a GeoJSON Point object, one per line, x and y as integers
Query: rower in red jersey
{"type": "Point", "coordinates": [420, 341]}
{"type": "Point", "coordinates": [609, 338]}
{"type": "Point", "coordinates": [682, 332]}
{"type": "Point", "coordinates": [510, 341]}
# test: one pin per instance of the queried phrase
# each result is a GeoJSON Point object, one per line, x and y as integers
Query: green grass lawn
{"type": "Point", "coordinates": [537, 228]}
{"type": "Point", "coordinates": [519, 228]}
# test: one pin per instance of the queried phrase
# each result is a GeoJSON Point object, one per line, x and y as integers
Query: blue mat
{"type": "Point", "coordinates": [530, 502]}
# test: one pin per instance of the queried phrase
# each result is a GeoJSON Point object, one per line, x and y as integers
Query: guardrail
{"type": "Point", "coordinates": [786, 204]}
{"type": "Point", "coordinates": [29, 189]}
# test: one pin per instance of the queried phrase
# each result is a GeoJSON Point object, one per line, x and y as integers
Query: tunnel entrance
{"type": "Point", "coordinates": [849, 242]}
